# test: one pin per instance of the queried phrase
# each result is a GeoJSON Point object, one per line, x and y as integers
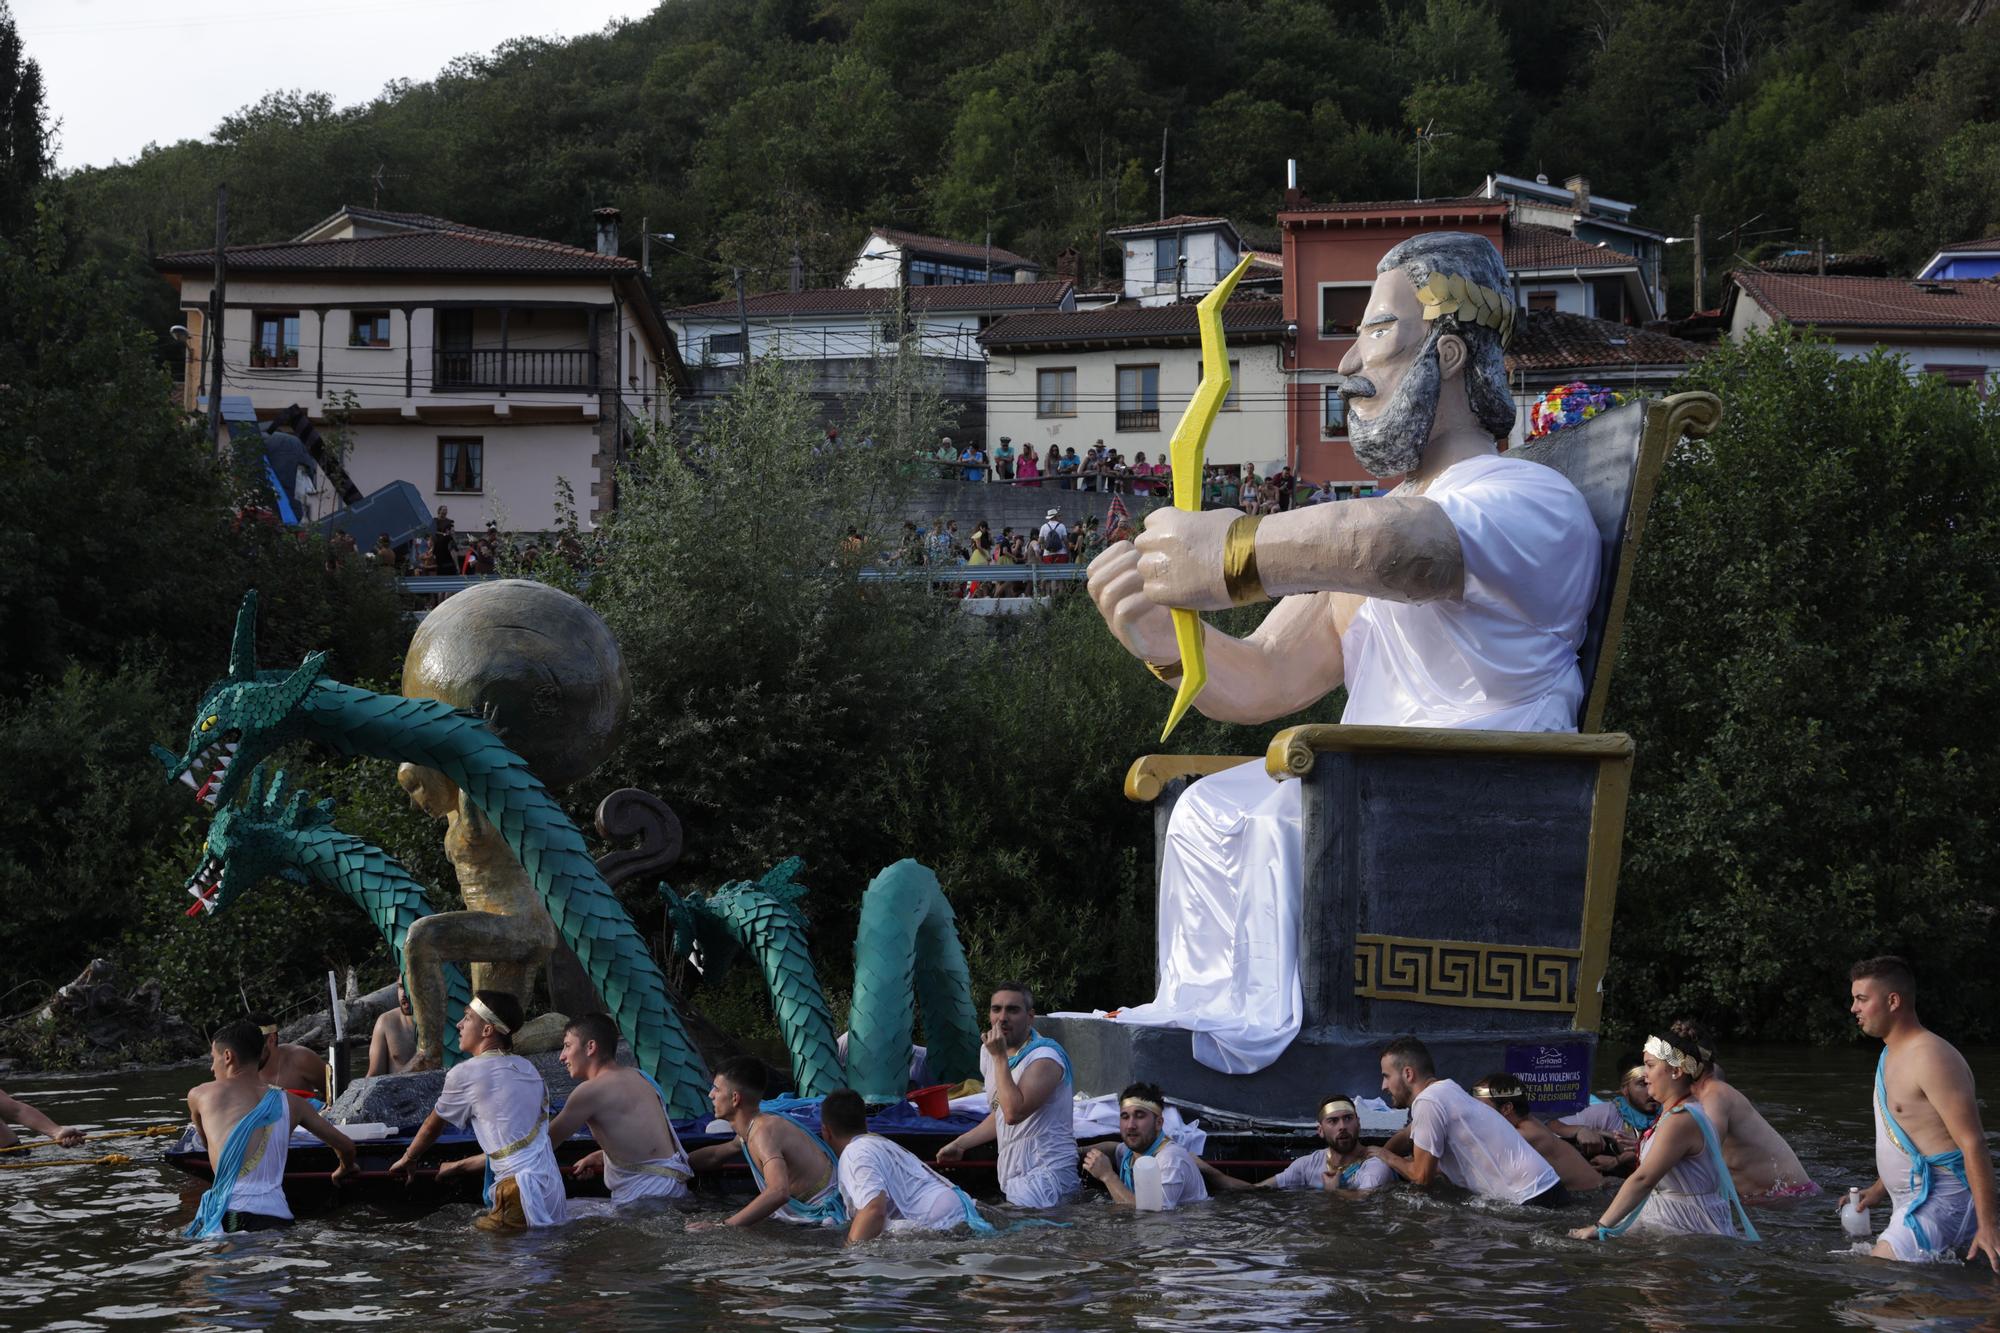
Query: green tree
{"type": "Point", "coordinates": [1810, 655]}
{"type": "Point", "coordinates": [24, 129]}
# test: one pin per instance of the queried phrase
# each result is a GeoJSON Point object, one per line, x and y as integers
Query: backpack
{"type": "Point", "coordinates": [1052, 539]}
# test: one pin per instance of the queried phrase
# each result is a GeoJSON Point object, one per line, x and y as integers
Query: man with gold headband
{"type": "Point", "coordinates": [1457, 600]}
{"type": "Point", "coordinates": [1342, 1166]}
{"type": "Point", "coordinates": [507, 1103]}
{"type": "Point", "coordinates": [1681, 1185]}
{"type": "Point", "coordinates": [1505, 1093]}
{"type": "Point", "coordinates": [1142, 1131]}
{"type": "Point", "coordinates": [288, 1065]}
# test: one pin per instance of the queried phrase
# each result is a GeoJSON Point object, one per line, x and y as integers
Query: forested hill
{"type": "Point", "coordinates": [752, 127]}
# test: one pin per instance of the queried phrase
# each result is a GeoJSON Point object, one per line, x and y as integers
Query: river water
{"type": "Point", "coordinates": [97, 1247]}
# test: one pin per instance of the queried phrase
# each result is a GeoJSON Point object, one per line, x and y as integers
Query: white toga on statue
{"type": "Point", "coordinates": [1503, 657]}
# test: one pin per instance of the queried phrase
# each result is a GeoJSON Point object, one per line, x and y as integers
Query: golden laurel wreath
{"type": "Point", "coordinates": [1448, 294]}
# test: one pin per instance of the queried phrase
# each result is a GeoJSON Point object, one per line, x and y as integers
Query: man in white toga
{"type": "Point", "coordinates": [1457, 600]}
{"type": "Point", "coordinates": [1033, 1090]}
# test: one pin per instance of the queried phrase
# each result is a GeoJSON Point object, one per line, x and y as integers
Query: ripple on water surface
{"type": "Point", "coordinates": [97, 1248]}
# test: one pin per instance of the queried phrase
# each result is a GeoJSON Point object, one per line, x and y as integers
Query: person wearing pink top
{"type": "Point", "coordinates": [1029, 470]}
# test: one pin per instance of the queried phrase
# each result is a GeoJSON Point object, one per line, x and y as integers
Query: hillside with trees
{"type": "Point", "coordinates": [755, 128]}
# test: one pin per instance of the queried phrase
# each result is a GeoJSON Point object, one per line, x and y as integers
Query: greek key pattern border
{"type": "Point", "coordinates": [1466, 974]}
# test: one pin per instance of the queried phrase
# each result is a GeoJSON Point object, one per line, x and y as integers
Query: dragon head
{"type": "Point", "coordinates": [248, 844]}
{"type": "Point", "coordinates": [243, 718]}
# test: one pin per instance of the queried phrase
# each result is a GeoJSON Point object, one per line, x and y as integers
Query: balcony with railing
{"type": "Point", "coordinates": [1132, 419]}
{"type": "Point", "coordinates": [513, 368]}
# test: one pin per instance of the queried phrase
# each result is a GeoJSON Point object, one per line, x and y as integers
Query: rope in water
{"type": "Point", "coordinates": [109, 1159]}
{"type": "Point", "coordinates": [149, 1132]}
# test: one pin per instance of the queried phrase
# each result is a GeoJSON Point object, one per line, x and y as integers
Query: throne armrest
{"type": "Point", "coordinates": [1294, 751]}
{"type": "Point", "coordinates": [1149, 775]}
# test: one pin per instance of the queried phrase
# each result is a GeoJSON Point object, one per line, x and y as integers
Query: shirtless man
{"type": "Point", "coordinates": [637, 1150]}
{"type": "Point", "coordinates": [1506, 1094]}
{"type": "Point", "coordinates": [1029, 1083]}
{"type": "Point", "coordinates": [794, 1171]}
{"type": "Point", "coordinates": [1762, 1164]}
{"type": "Point", "coordinates": [1343, 1166]}
{"type": "Point", "coordinates": [1930, 1149]}
{"type": "Point", "coordinates": [1142, 1132]}
{"type": "Point", "coordinates": [247, 1125]}
{"type": "Point", "coordinates": [394, 1040]}
{"type": "Point", "coordinates": [1607, 1132]}
{"type": "Point", "coordinates": [17, 1112]}
{"type": "Point", "coordinates": [288, 1065]}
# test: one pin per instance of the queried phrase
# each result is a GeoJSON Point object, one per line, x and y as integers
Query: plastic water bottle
{"type": "Point", "coordinates": [1148, 1195]}
{"type": "Point", "coordinates": [1853, 1217]}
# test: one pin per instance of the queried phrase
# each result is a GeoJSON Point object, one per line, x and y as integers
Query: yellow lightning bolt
{"type": "Point", "coordinates": [1186, 450]}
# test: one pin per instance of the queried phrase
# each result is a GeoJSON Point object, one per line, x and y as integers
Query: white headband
{"type": "Point", "coordinates": [478, 1006]}
{"type": "Point", "coordinates": [1335, 1104]}
{"type": "Point", "coordinates": [1142, 1104]}
{"type": "Point", "coordinates": [1673, 1057]}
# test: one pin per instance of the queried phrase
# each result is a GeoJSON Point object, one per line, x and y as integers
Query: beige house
{"type": "Point", "coordinates": [482, 367]}
{"type": "Point", "coordinates": [1125, 374]}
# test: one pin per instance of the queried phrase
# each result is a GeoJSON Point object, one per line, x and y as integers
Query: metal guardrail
{"type": "Point", "coordinates": [1034, 575]}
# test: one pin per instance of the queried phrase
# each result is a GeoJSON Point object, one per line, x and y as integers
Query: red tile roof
{"type": "Point", "coordinates": [1547, 340]}
{"type": "Point", "coordinates": [1529, 247]}
{"type": "Point", "coordinates": [938, 245]}
{"type": "Point", "coordinates": [1874, 302]}
{"type": "Point", "coordinates": [433, 245]}
{"type": "Point", "coordinates": [1177, 220]}
{"type": "Point", "coordinates": [1243, 321]}
{"type": "Point", "coordinates": [866, 300]}
{"type": "Point", "coordinates": [1990, 243]}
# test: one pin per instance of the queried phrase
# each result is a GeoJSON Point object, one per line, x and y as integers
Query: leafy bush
{"type": "Point", "coordinates": [1810, 673]}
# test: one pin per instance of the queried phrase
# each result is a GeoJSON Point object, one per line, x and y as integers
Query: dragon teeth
{"type": "Point", "coordinates": [188, 778]}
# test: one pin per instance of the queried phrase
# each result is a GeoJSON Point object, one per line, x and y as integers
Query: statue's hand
{"type": "Point", "coordinates": [1180, 558]}
{"type": "Point", "coordinates": [1142, 625]}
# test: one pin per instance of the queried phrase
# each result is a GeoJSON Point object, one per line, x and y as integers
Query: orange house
{"type": "Point", "coordinates": [1330, 253]}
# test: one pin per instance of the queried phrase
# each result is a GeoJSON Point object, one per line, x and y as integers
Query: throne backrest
{"type": "Point", "coordinates": [1614, 459]}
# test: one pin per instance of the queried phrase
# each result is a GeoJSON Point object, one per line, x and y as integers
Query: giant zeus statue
{"type": "Point", "coordinates": [1458, 600]}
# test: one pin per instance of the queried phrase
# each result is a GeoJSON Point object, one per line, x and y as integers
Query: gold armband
{"type": "Point", "coordinates": [1169, 673]}
{"type": "Point", "coordinates": [1239, 562]}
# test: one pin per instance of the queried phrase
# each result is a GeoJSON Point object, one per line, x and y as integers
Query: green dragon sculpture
{"type": "Point", "coordinates": [279, 831]}
{"type": "Point", "coordinates": [906, 953]}
{"type": "Point", "coordinates": [248, 714]}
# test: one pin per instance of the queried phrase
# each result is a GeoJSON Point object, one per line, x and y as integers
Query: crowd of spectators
{"type": "Point", "coordinates": [443, 551]}
{"type": "Point", "coordinates": [1107, 471]}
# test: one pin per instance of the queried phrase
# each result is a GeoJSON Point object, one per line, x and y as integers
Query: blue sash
{"type": "Point", "coordinates": [269, 1112]}
{"type": "Point", "coordinates": [1037, 1041]}
{"type": "Point", "coordinates": [1635, 1120]}
{"type": "Point", "coordinates": [1125, 1162]}
{"type": "Point", "coordinates": [1727, 1187]}
{"type": "Point", "coordinates": [1350, 1171]}
{"type": "Point", "coordinates": [1921, 1167]}
{"type": "Point", "coordinates": [830, 1209]}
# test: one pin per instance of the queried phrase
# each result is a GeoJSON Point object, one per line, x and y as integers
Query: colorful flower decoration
{"type": "Point", "coordinates": [1569, 405]}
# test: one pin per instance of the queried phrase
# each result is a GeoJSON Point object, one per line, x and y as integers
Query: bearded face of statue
{"type": "Point", "coordinates": [1392, 379]}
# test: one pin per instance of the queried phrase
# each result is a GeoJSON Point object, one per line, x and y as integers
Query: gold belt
{"type": "Point", "coordinates": [525, 1141]}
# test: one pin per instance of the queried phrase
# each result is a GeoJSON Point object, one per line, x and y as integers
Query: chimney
{"type": "Point", "coordinates": [607, 231]}
{"type": "Point", "coordinates": [1294, 196]}
{"type": "Point", "coordinates": [1579, 188]}
{"type": "Point", "coordinates": [1066, 263]}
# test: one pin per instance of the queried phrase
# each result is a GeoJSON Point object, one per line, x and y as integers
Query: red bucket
{"type": "Point", "coordinates": [934, 1101]}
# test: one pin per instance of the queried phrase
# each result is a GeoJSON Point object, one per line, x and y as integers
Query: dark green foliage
{"type": "Point", "coordinates": [1809, 673]}
{"type": "Point", "coordinates": [24, 129]}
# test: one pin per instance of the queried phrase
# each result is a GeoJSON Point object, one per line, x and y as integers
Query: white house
{"type": "Point", "coordinates": [835, 323]}
{"type": "Point", "coordinates": [1946, 328]}
{"type": "Point", "coordinates": [1124, 375]}
{"type": "Point", "coordinates": [892, 258]}
{"type": "Point", "coordinates": [1553, 270]}
{"type": "Point", "coordinates": [1181, 258]}
{"type": "Point", "coordinates": [481, 366]}
{"type": "Point", "coordinates": [1592, 219]}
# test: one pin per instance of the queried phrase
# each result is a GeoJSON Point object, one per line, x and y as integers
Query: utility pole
{"type": "Point", "coordinates": [1819, 256]}
{"type": "Point", "coordinates": [220, 308]}
{"type": "Point", "coordinates": [645, 247]}
{"type": "Point", "coordinates": [743, 320]}
{"type": "Point", "coordinates": [1162, 172]}
{"type": "Point", "coordinates": [1700, 273]}
{"type": "Point", "coordinates": [989, 250]}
